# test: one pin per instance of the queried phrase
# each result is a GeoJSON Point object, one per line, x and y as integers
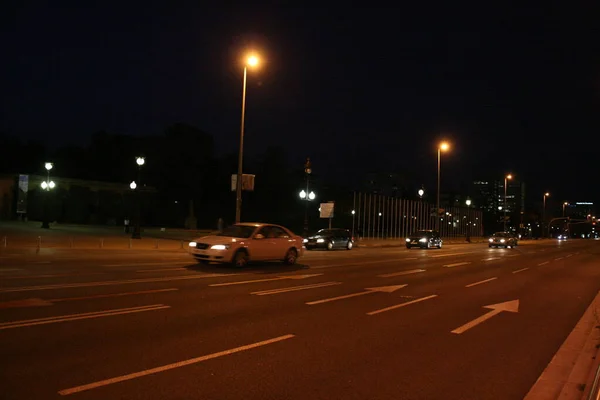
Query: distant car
{"type": "Point", "coordinates": [245, 242]}
{"type": "Point", "coordinates": [330, 239]}
{"type": "Point", "coordinates": [424, 239]}
{"type": "Point", "coordinates": [562, 237]}
{"type": "Point", "coordinates": [503, 239]}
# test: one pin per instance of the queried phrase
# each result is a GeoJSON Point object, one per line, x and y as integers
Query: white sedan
{"type": "Point", "coordinates": [241, 243]}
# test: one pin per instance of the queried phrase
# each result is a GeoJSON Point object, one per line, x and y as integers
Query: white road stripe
{"type": "Point", "coordinates": [544, 263]}
{"type": "Point", "coordinates": [480, 282]}
{"type": "Point", "coordinates": [412, 271]}
{"type": "Point", "coordinates": [513, 255]}
{"type": "Point", "coordinates": [455, 265]}
{"type": "Point", "coordinates": [491, 259]}
{"type": "Point", "coordinates": [295, 288]}
{"type": "Point", "coordinates": [448, 255]}
{"type": "Point", "coordinates": [520, 270]}
{"type": "Point", "coordinates": [402, 305]}
{"type": "Point", "coordinates": [167, 367]}
{"type": "Point", "coordinates": [279, 278]}
{"type": "Point", "coordinates": [558, 259]}
{"type": "Point", "coordinates": [569, 255]}
{"type": "Point", "coordinates": [75, 317]}
{"type": "Point", "coordinates": [109, 283]}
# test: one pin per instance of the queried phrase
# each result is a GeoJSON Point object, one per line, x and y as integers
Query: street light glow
{"type": "Point", "coordinates": [44, 185]}
{"type": "Point", "coordinates": [312, 195]}
{"type": "Point", "coordinates": [421, 192]}
{"type": "Point", "coordinates": [252, 60]}
{"type": "Point", "coordinates": [509, 176]}
{"type": "Point", "coordinates": [140, 161]}
{"type": "Point", "coordinates": [133, 185]}
{"type": "Point", "coordinates": [51, 185]}
{"type": "Point", "coordinates": [444, 146]}
{"type": "Point", "coordinates": [302, 194]}
{"type": "Point", "coordinates": [547, 194]}
{"type": "Point", "coordinates": [48, 166]}
{"type": "Point", "coordinates": [468, 202]}
{"type": "Point", "coordinates": [353, 212]}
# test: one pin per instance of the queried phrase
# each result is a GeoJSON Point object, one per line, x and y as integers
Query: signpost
{"type": "Point", "coordinates": [326, 210]}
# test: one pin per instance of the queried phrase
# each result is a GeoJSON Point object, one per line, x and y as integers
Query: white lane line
{"type": "Point", "coordinates": [481, 282]}
{"type": "Point", "coordinates": [448, 255]}
{"type": "Point", "coordinates": [167, 367]}
{"type": "Point", "coordinates": [163, 270]}
{"type": "Point", "coordinates": [513, 255]}
{"type": "Point", "coordinates": [491, 259]}
{"type": "Point", "coordinates": [402, 305]}
{"type": "Point", "coordinates": [295, 288]}
{"type": "Point", "coordinates": [100, 296]}
{"type": "Point", "coordinates": [569, 255]}
{"type": "Point", "coordinates": [520, 270]}
{"type": "Point", "coordinates": [279, 278]}
{"type": "Point", "coordinates": [362, 263]}
{"type": "Point", "coordinates": [544, 263]}
{"type": "Point", "coordinates": [558, 259]}
{"type": "Point", "coordinates": [108, 283]}
{"type": "Point", "coordinates": [51, 275]}
{"type": "Point", "coordinates": [164, 263]}
{"type": "Point", "coordinates": [455, 264]}
{"type": "Point", "coordinates": [412, 271]}
{"type": "Point", "coordinates": [75, 317]}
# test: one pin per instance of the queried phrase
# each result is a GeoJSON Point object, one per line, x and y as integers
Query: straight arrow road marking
{"type": "Point", "coordinates": [402, 305]}
{"type": "Point", "coordinates": [508, 306]}
{"type": "Point", "coordinates": [384, 289]}
{"type": "Point", "coordinates": [455, 265]}
{"type": "Point", "coordinates": [544, 263]}
{"type": "Point", "coordinates": [520, 270]}
{"type": "Point", "coordinates": [480, 282]}
{"type": "Point", "coordinates": [167, 367]}
{"type": "Point", "coordinates": [295, 288]}
{"type": "Point", "coordinates": [108, 283]}
{"type": "Point", "coordinates": [75, 317]}
{"type": "Point", "coordinates": [279, 278]}
{"type": "Point", "coordinates": [412, 271]}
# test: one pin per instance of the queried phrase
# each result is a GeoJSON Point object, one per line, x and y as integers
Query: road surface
{"type": "Point", "coordinates": [463, 322]}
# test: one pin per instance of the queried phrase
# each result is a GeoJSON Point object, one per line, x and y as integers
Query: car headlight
{"type": "Point", "coordinates": [491, 240]}
{"type": "Point", "coordinates": [192, 244]}
{"type": "Point", "coordinates": [320, 240]}
{"type": "Point", "coordinates": [502, 240]}
{"type": "Point", "coordinates": [304, 240]}
{"type": "Point", "coordinates": [219, 247]}
{"type": "Point", "coordinates": [408, 239]}
{"type": "Point", "coordinates": [423, 240]}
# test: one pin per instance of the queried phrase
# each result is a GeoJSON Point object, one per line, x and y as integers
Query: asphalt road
{"type": "Point", "coordinates": [385, 323]}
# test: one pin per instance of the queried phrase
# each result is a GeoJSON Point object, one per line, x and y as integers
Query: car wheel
{"type": "Point", "coordinates": [440, 245]}
{"type": "Point", "coordinates": [349, 245]}
{"type": "Point", "coordinates": [240, 259]}
{"type": "Point", "coordinates": [428, 245]}
{"type": "Point", "coordinates": [290, 257]}
{"type": "Point", "coordinates": [408, 246]}
{"type": "Point", "coordinates": [329, 246]}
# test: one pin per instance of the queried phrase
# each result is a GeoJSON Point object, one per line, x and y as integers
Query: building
{"type": "Point", "coordinates": [489, 197]}
{"type": "Point", "coordinates": [580, 210]}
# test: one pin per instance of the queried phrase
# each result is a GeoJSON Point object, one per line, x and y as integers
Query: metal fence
{"type": "Point", "coordinates": [383, 217]}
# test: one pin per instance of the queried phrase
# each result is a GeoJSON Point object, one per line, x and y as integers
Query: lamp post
{"type": "Point", "coordinates": [468, 203]}
{"type": "Point", "coordinates": [421, 193]}
{"type": "Point", "coordinates": [47, 185]}
{"type": "Point", "coordinates": [506, 179]}
{"type": "Point", "coordinates": [137, 234]}
{"type": "Point", "coordinates": [251, 61]}
{"type": "Point", "coordinates": [564, 205]}
{"type": "Point", "coordinates": [444, 146]}
{"type": "Point", "coordinates": [308, 197]}
{"type": "Point", "coordinates": [544, 215]}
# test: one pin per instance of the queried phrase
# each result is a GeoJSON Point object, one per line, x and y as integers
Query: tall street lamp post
{"type": "Point", "coordinates": [251, 61]}
{"type": "Point", "coordinates": [308, 197]}
{"type": "Point", "coordinates": [444, 146]}
{"type": "Point", "coordinates": [564, 205]}
{"type": "Point", "coordinates": [137, 231]}
{"type": "Point", "coordinates": [47, 185]}
{"type": "Point", "coordinates": [468, 202]}
{"type": "Point", "coordinates": [506, 179]}
{"type": "Point", "coordinates": [546, 195]}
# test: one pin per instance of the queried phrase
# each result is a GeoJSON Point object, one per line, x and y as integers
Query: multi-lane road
{"type": "Point", "coordinates": [463, 322]}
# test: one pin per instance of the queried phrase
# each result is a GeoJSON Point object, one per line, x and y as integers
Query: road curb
{"type": "Point", "coordinates": [567, 376]}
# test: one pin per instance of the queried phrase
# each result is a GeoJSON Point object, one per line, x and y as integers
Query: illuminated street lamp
{"type": "Point", "coordinates": [252, 61]}
{"type": "Point", "coordinates": [506, 179]}
{"type": "Point", "coordinates": [421, 193]}
{"type": "Point", "coordinates": [564, 205]}
{"type": "Point", "coordinates": [546, 195]}
{"type": "Point", "coordinates": [444, 146]}
{"type": "Point", "coordinates": [468, 203]}
{"type": "Point", "coordinates": [132, 185]}
{"type": "Point", "coordinates": [137, 231]}
{"type": "Point", "coordinates": [47, 185]}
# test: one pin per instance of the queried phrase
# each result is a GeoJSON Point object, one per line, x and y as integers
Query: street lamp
{"type": "Point", "coordinates": [47, 185]}
{"type": "Point", "coordinates": [421, 192]}
{"type": "Point", "coordinates": [546, 195]}
{"type": "Point", "coordinates": [506, 179]}
{"type": "Point", "coordinates": [564, 205]}
{"type": "Point", "coordinates": [251, 61]}
{"type": "Point", "coordinates": [137, 234]}
{"type": "Point", "coordinates": [468, 203]}
{"type": "Point", "coordinates": [444, 146]}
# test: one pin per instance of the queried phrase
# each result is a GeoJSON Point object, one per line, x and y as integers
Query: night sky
{"type": "Point", "coordinates": [358, 90]}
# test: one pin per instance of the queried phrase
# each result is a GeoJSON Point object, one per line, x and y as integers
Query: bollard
{"type": "Point", "coordinates": [129, 243]}
{"type": "Point", "coordinates": [101, 243]}
{"type": "Point", "coordinates": [156, 244]}
{"type": "Point", "coordinates": [39, 244]}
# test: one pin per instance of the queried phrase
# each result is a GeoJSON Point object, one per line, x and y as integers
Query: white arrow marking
{"type": "Point", "coordinates": [412, 271]}
{"type": "Point", "coordinates": [385, 289]}
{"type": "Point", "coordinates": [402, 304]}
{"type": "Point", "coordinates": [509, 306]}
{"type": "Point", "coordinates": [25, 303]}
{"type": "Point", "coordinates": [455, 265]}
{"type": "Point", "coordinates": [279, 278]}
{"type": "Point", "coordinates": [295, 288]}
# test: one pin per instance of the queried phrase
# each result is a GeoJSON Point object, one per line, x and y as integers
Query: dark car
{"type": "Point", "coordinates": [330, 239]}
{"type": "Point", "coordinates": [503, 239]}
{"type": "Point", "coordinates": [424, 239]}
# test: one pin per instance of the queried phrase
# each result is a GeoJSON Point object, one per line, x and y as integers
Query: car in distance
{"type": "Point", "coordinates": [562, 236]}
{"type": "Point", "coordinates": [330, 239]}
{"type": "Point", "coordinates": [424, 239]}
{"type": "Point", "coordinates": [503, 239]}
{"type": "Point", "coordinates": [241, 243]}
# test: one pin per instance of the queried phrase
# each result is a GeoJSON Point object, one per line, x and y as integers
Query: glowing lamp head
{"type": "Point", "coordinates": [51, 185]}
{"type": "Point", "coordinates": [44, 185]}
{"type": "Point", "coordinates": [421, 192]}
{"type": "Point", "coordinates": [302, 194]}
{"type": "Point", "coordinates": [468, 202]}
{"type": "Point", "coordinates": [133, 185]}
{"type": "Point", "coordinates": [140, 161]}
{"type": "Point", "coordinates": [547, 194]}
{"type": "Point", "coordinates": [312, 195]}
{"type": "Point", "coordinates": [509, 176]}
{"type": "Point", "coordinates": [444, 146]}
{"type": "Point", "coordinates": [252, 61]}
{"type": "Point", "coordinates": [48, 166]}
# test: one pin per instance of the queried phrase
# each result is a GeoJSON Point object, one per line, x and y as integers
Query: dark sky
{"type": "Point", "coordinates": [513, 89]}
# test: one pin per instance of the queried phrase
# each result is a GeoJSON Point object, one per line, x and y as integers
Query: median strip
{"type": "Point", "coordinates": [167, 367]}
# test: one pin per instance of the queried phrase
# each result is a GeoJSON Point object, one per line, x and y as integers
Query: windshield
{"type": "Point", "coordinates": [238, 231]}
{"type": "Point", "coordinates": [327, 232]}
{"type": "Point", "coordinates": [501, 234]}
